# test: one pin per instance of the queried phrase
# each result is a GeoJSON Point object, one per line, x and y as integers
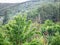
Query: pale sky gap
{"type": "Point", "coordinates": [12, 1]}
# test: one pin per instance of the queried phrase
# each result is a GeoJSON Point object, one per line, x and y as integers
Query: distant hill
{"type": "Point", "coordinates": [12, 9]}
{"type": "Point", "coordinates": [4, 5]}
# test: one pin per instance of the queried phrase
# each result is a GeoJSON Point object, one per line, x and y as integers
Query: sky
{"type": "Point", "coordinates": [12, 1]}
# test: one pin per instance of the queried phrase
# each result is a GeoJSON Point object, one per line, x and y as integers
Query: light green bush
{"type": "Point", "coordinates": [19, 30]}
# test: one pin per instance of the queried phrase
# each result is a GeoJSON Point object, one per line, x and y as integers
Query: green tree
{"type": "Point", "coordinates": [19, 30]}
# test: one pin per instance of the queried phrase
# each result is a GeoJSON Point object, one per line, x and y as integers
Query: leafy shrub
{"type": "Point", "coordinates": [3, 38]}
{"type": "Point", "coordinates": [19, 30]}
{"type": "Point", "coordinates": [56, 40]}
{"type": "Point", "coordinates": [33, 42]}
{"type": "Point", "coordinates": [51, 27]}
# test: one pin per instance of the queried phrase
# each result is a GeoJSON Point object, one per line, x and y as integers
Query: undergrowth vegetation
{"type": "Point", "coordinates": [21, 31]}
{"type": "Point", "coordinates": [38, 27]}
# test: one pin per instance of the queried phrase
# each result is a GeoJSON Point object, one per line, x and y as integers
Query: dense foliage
{"type": "Point", "coordinates": [45, 11]}
{"type": "Point", "coordinates": [40, 26]}
{"type": "Point", "coordinates": [21, 31]}
{"type": "Point", "coordinates": [51, 31]}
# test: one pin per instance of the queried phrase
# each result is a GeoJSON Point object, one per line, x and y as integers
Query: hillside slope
{"type": "Point", "coordinates": [12, 9]}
